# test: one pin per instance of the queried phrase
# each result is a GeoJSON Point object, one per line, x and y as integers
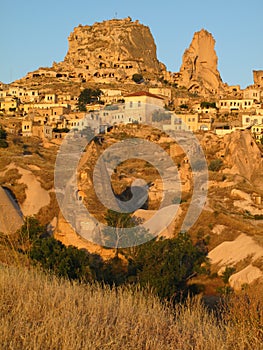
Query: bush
{"type": "Point", "coordinates": [183, 106]}
{"type": "Point", "coordinates": [3, 135]}
{"type": "Point", "coordinates": [215, 164]}
{"type": "Point", "coordinates": [88, 96]}
{"type": "Point", "coordinates": [207, 104]}
{"type": "Point", "coordinates": [137, 78]}
{"type": "Point", "coordinates": [166, 265]}
{"type": "Point", "coordinates": [3, 144]}
{"type": "Point", "coordinates": [68, 262]}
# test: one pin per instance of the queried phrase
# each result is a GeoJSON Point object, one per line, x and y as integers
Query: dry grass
{"type": "Point", "coordinates": [42, 312]}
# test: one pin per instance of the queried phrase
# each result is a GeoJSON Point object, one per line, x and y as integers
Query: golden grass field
{"type": "Point", "coordinates": [40, 311]}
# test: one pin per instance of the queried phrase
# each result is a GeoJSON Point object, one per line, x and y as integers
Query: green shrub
{"type": "Point", "coordinates": [3, 143]}
{"type": "Point", "coordinates": [137, 78]}
{"type": "Point", "coordinates": [215, 164]}
{"type": "Point", "coordinates": [205, 104]}
{"type": "Point", "coordinates": [183, 106]}
{"type": "Point", "coordinates": [166, 265]}
{"type": "Point", "coordinates": [54, 256]}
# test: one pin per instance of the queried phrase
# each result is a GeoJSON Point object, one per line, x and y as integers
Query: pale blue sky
{"type": "Point", "coordinates": [34, 33]}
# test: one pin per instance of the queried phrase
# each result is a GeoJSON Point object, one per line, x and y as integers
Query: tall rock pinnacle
{"type": "Point", "coordinates": [199, 71]}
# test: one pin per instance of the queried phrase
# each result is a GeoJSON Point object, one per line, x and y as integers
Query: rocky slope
{"type": "Point", "coordinates": [110, 51]}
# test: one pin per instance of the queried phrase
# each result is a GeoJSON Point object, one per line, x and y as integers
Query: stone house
{"type": "Point", "coordinates": [27, 126]}
{"type": "Point", "coordinates": [235, 104]}
{"type": "Point", "coordinates": [111, 95]}
{"type": "Point", "coordinates": [50, 98]}
{"type": "Point", "coordinates": [253, 119]}
{"type": "Point", "coordinates": [9, 104]}
{"type": "Point", "coordinates": [139, 107]}
{"type": "Point", "coordinates": [257, 131]}
{"type": "Point", "coordinates": [188, 122]}
{"type": "Point", "coordinates": [251, 93]}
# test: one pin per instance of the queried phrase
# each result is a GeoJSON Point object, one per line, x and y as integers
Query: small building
{"type": "Point", "coordinates": [47, 132]}
{"type": "Point", "coordinates": [166, 93]}
{"type": "Point", "coordinates": [111, 95]}
{"type": "Point", "coordinates": [257, 131]}
{"type": "Point", "coordinates": [251, 93]}
{"type": "Point", "coordinates": [235, 104]}
{"type": "Point", "coordinates": [27, 127]}
{"type": "Point", "coordinates": [188, 122]}
{"type": "Point", "coordinates": [249, 120]}
{"type": "Point", "coordinates": [50, 98]}
{"type": "Point", "coordinates": [139, 106]}
{"type": "Point", "coordinates": [9, 104]}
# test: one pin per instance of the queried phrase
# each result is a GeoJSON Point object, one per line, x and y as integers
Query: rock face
{"type": "Point", "coordinates": [199, 71]}
{"type": "Point", "coordinates": [258, 77]}
{"type": "Point", "coordinates": [113, 50]}
{"type": "Point", "coordinates": [243, 157]}
{"type": "Point", "coordinates": [10, 215]}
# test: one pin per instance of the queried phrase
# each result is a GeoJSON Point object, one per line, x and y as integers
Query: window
{"type": "Point", "coordinates": [139, 103]}
{"type": "Point", "coordinates": [130, 104]}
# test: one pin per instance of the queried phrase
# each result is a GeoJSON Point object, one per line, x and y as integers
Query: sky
{"type": "Point", "coordinates": [34, 33]}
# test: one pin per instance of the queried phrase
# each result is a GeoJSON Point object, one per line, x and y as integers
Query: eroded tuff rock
{"type": "Point", "coordinates": [199, 71]}
{"type": "Point", "coordinates": [243, 156]}
{"type": "Point", "coordinates": [112, 50]}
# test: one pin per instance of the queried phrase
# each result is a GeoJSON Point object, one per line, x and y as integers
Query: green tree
{"type": "Point", "coordinates": [68, 262]}
{"type": "Point", "coordinates": [183, 106]}
{"type": "Point", "coordinates": [30, 231]}
{"type": "Point", "coordinates": [116, 235]}
{"type": "Point", "coordinates": [215, 164]}
{"type": "Point", "coordinates": [205, 104]}
{"type": "Point", "coordinates": [117, 222]}
{"type": "Point", "coordinates": [137, 78]}
{"type": "Point", "coordinates": [88, 96]}
{"type": "Point", "coordinates": [167, 264]}
{"type": "Point", "coordinates": [229, 270]}
{"type": "Point", "coordinates": [3, 135]}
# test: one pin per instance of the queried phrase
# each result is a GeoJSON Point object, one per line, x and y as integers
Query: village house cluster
{"type": "Point", "coordinates": [30, 112]}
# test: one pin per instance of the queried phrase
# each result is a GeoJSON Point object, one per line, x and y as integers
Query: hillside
{"type": "Point", "coordinates": [42, 312]}
{"type": "Point", "coordinates": [231, 212]}
{"type": "Point", "coordinates": [112, 51]}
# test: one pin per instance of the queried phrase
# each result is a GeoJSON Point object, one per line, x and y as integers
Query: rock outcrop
{"type": "Point", "coordinates": [258, 78]}
{"type": "Point", "coordinates": [199, 71]}
{"type": "Point", "coordinates": [112, 50]}
{"type": "Point", "coordinates": [243, 157]}
{"type": "Point", "coordinates": [11, 218]}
